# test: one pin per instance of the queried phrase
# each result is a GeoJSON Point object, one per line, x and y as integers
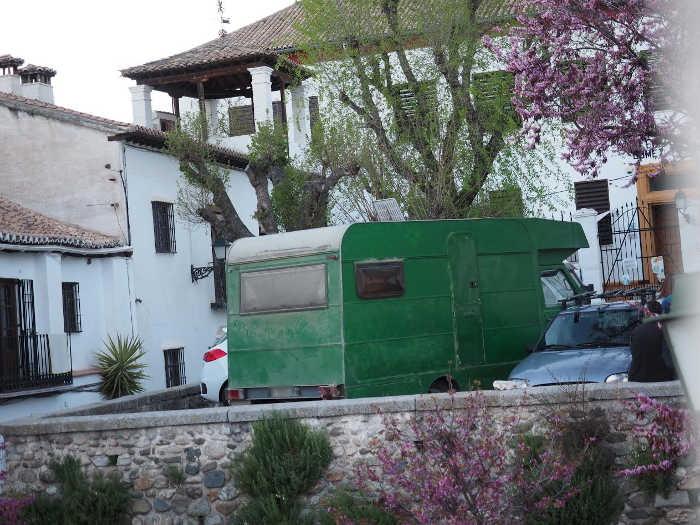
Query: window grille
{"type": "Point", "coordinates": [25, 296]}
{"type": "Point", "coordinates": [278, 114]}
{"type": "Point", "coordinates": [313, 111]}
{"type": "Point", "coordinates": [241, 120]}
{"type": "Point", "coordinates": [379, 280]}
{"type": "Point", "coordinates": [174, 367]}
{"type": "Point", "coordinates": [71, 308]}
{"type": "Point", "coordinates": [16, 307]}
{"type": "Point", "coordinates": [594, 194]}
{"type": "Point", "coordinates": [164, 227]}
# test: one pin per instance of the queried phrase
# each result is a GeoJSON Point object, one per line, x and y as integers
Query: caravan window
{"type": "Point", "coordinates": [555, 287]}
{"type": "Point", "coordinates": [282, 289]}
{"type": "Point", "coordinates": [378, 280]}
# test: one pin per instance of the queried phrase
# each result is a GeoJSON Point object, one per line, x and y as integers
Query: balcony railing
{"type": "Point", "coordinates": [35, 361]}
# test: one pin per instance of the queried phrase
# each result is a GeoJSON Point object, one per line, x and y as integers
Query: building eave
{"type": "Point", "coordinates": [152, 138]}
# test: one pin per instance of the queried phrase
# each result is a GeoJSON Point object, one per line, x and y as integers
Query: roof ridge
{"type": "Point", "coordinates": [262, 20]}
{"type": "Point", "coordinates": [23, 225]}
{"type": "Point", "coordinates": [11, 97]}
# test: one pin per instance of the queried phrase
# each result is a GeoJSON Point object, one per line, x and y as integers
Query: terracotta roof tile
{"type": "Point", "coordinates": [119, 130]}
{"type": "Point", "coordinates": [20, 225]}
{"type": "Point", "coordinates": [10, 61]}
{"type": "Point", "coordinates": [30, 104]}
{"type": "Point", "coordinates": [268, 36]}
{"type": "Point", "coordinates": [262, 38]}
{"type": "Point", "coordinates": [30, 69]}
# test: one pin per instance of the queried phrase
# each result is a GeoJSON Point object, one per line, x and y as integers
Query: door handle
{"type": "Point", "coordinates": [473, 284]}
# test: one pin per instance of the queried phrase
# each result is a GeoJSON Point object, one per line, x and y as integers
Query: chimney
{"type": "Point", "coordinates": [141, 105]}
{"type": "Point", "coordinates": [10, 81]}
{"type": "Point", "coordinates": [36, 82]}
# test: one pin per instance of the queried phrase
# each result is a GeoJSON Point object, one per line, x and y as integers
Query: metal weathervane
{"type": "Point", "coordinates": [222, 17]}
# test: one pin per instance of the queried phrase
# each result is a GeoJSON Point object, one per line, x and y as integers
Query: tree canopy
{"type": "Point", "coordinates": [598, 66]}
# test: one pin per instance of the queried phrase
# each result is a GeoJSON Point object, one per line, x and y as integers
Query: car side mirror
{"type": "Point", "coordinates": [589, 288]}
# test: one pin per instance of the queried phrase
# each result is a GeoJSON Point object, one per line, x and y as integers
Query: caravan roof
{"type": "Point", "coordinates": [291, 244]}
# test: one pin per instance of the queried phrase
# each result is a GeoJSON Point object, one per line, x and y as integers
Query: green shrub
{"type": "Point", "coordinates": [346, 507]}
{"type": "Point", "coordinates": [595, 495]}
{"type": "Point", "coordinates": [80, 501]}
{"type": "Point", "coordinates": [266, 510]}
{"type": "Point", "coordinates": [597, 499]}
{"type": "Point", "coordinates": [655, 481]}
{"type": "Point", "coordinates": [285, 460]}
{"type": "Point", "coordinates": [119, 366]}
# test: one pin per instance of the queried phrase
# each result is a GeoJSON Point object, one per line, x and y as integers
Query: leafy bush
{"type": "Point", "coordinates": [346, 508]}
{"type": "Point", "coordinates": [285, 460]}
{"type": "Point", "coordinates": [12, 508]}
{"type": "Point", "coordinates": [80, 501]}
{"type": "Point", "coordinates": [664, 437]}
{"type": "Point", "coordinates": [595, 496]}
{"type": "Point", "coordinates": [456, 466]}
{"type": "Point", "coordinates": [119, 366]}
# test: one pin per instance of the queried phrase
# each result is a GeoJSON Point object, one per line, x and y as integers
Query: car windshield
{"type": "Point", "coordinates": [591, 329]}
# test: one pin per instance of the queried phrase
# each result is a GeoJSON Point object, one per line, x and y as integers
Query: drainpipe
{"type": "Point", "coordinates": [124, 178]}
{"type": "Point", "coordinates": [125, 187]}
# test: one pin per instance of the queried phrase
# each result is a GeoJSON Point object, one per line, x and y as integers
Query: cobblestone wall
{"type": "Point", "coordinates": [151, 450]}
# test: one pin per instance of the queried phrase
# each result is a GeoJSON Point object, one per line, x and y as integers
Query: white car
{"type": "Point", "coordinates": [214, 378]}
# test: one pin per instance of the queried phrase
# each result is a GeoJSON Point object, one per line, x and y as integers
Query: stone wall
{"type": "Point", "coordinates": [146, 448]}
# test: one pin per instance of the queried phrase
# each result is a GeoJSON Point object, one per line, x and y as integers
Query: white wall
{"type": "Point", "coordinates": [170, 310]}
{"type": "Point", "coordinates": [104, 309]}
{"type": "Point", "coordinates": [103, 291]}
{"type": "Point", "coordinates": [57, 168]}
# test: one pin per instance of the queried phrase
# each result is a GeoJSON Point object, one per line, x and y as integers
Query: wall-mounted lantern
{"type": "Point", "coordinates": [201, 272]}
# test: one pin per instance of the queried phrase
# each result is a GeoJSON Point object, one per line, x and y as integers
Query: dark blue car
{"type": "Point", "coordinates": [582, 344]}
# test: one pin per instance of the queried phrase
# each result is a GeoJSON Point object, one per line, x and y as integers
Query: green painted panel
{"type": "Point", "coordinates": [506, 272]}
{"type": "Point", "coordinates": [424, 277]}
{"type": "Point", "coordinates": [511, 308]}
{"type": "Point", "coordinates": [509, 343]}
{"type": "Point", "coordinates": [378, 319]}
{"type": "Point", "coordinates": [400, 345]}
{"type": "Point", "coordinates": [307, 366]}
{"type": "Point", "coordinates": [466, 302]}
{"type": "Point", "coordinates": [286, 348]}
{"type": "Point", "coordinates": [389, 360]}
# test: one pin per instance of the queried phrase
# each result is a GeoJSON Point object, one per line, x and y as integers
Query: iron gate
{"type": "Point", "coordinates": [634, 240]}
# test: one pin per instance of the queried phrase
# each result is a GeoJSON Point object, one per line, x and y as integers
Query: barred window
{"type": "Point", "coordinates": [164, 227]}
{"type": "Point", "coordinates": [71, 308]}
{"type": "Point", "coordinates": [174, 367]}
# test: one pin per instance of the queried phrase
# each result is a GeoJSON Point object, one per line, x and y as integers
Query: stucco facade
{"type": "Point", "coordinates": [60, 163]}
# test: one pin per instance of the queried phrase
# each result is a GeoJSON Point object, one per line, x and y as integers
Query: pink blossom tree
{"type": "Point", "coordinates": [458, 466]}
{"type": "Point", "coordinates": [592, 64]}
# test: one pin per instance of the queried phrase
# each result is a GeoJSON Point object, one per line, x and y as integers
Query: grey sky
{"type": "Point", "coordinates": [88, 41]}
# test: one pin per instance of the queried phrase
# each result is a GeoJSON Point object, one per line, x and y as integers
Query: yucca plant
{"type": "Point", "coordinates": [119, 366]}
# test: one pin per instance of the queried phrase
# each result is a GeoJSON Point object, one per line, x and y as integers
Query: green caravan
{"type": "Point", "coordinates": [389, 308]}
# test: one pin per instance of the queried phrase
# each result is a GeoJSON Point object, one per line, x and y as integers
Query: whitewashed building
{"type": "Point", "coordinates": [62, 288]}
{"type": "Point", "coordinates": [638, 216]}
{"type": "Point", "coordinates": [114, 178]}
